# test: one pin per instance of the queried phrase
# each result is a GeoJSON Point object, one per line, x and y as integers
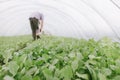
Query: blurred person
{"type": "Point", "coordinates": [36, 23]}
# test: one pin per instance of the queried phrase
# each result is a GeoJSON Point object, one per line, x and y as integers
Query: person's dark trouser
{"type": "Point", "coordinates": [34, 26]}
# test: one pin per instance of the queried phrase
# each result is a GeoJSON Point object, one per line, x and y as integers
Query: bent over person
{"type": "Point", "coordinates": [36, 23]}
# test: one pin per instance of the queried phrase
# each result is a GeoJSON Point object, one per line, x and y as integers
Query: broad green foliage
{"type": "Point", "coordinates": [13, 67]}
{"type": "Point", "coordinates": [58, 58]}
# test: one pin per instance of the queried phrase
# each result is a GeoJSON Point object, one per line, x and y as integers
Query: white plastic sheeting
{"type": "Point", "coordinates": [70, 18]}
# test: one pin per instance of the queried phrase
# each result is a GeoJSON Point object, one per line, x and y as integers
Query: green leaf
{"type": "Point", "coordinates": [23, 71]}
{"type": "Point", "coordinates": [66, 73]}
{"type": "Point", "coordinates": [7, 77]}
{"type": "Point", "coordinates": [113, 67]}
{"type": "Point", "coordinates": [117, 77]}
{"type": "Point", "coordinates": [117, 62]}
{"type": "Point", "coordinates": [74, 65]}
{"type": "Point", "coordinates": [92, 72]}
{"type": "Point", "coordinates": [101, 76]}
{"type": "Point", "coordinates": [57, 73]}
{"type": "Point", "coordinates": [39, 62]}
{"type": "Point", "coordinates": [91, 56]}
{"type": "Point", "coordinates": [36, 78]}
{"type": "Point", "coordinates": [83, 76]}
{"type": "Point", "coordinates": [117, 70]}
{"type": "Point", "coordinates": [28, 63]}
{"type": "Point", "coordinates": [78, 79]}
{"type": "Point", "coordinates": [107, 71]}
{"type": "Point", "coordinates": [26, 77]}
{"type": "Point", "coordinates": [55, 61]}
{"type": "Point", "coordinates": [55, 78]}
{"type": "Point", "coordinates": [23, 58]}
{"type": "Point", "coordinates": [13, 67]}
{"type": "Point", "coordinates": [93, 62]}
{"type": "Point", "coordinates": [31, 71]}
{"type": "Point", "coordinates": [71, 55]}
{"type": "Point", "coordinates": [7, 55]}
{"type": "Point", "coordinates": [79, 56]}
{"type": "Point", "coordinates": [45, 57]}
{"type": "Point", "coordinates": [51, 67]}
{"type": "Point", "coordinates": [48, 74]}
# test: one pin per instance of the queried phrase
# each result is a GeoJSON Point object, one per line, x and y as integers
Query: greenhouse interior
{"type": "Point", "coordinates": [60, 40]}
